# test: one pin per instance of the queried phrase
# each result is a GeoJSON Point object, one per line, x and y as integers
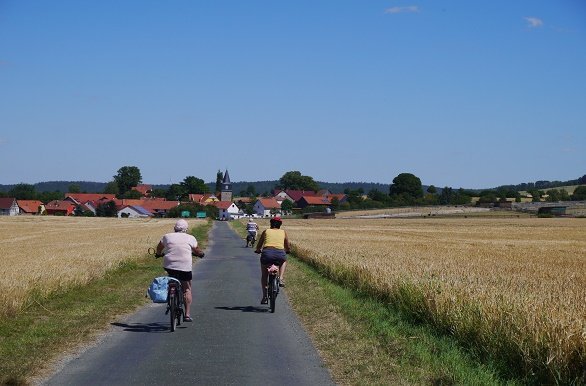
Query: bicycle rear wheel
{"type": "Point", "coordinates": [173, 310]}
{"type": "Point", "coordinates": [180, 305]}
{"type": "Point", "coordinates": [273, 288]}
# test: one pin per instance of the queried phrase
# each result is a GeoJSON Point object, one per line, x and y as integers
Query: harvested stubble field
{"type": "Point", "coordinates": [513, 289]}
{"type": "Point", "coordinates": [42, 255]}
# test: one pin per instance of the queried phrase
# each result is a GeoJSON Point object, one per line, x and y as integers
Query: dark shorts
{"type": "Point", "coordinates": [179, 275]}
{"type": "Point", "coordinates": [273, 256]}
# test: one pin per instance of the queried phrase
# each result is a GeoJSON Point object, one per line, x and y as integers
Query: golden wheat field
{"type": "Point", "coordinates": [44, 254]}
{"type": "Point", "coordinates": [516, 284]}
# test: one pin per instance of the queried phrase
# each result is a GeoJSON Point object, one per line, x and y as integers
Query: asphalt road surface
{"type": "Point", "coordinates": [233, 340]}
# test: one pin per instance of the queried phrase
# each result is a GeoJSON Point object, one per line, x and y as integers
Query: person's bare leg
{"type": "Point", "coordinates": [263, 280]}
{"type": "Point", "coordinates": [282, 270]}
{"type": "Point", "coordinates": [187, 298]}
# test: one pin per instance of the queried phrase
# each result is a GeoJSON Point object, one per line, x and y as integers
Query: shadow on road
{"type": "Point", "coordinates": [140, 327]}
{"type": "Point", "coordinates": [244, 309]}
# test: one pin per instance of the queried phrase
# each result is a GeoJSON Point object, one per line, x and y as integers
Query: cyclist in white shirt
{"type": "Point", "coordinates": [178, 247]}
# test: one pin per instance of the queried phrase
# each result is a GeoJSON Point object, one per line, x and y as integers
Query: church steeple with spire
{"type": "Point", "coordinates": [226, 192]}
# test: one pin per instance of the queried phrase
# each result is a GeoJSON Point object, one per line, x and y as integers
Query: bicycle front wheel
{"type": "Point", "coordinates": [173, 311]}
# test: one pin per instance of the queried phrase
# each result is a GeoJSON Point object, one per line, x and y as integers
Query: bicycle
{"type": "Point", "coordinates": [175, 304]}
{"type": "Point", "coordinates": [273, 282]}
{"type": "Point", "coordinates": [251, 238]}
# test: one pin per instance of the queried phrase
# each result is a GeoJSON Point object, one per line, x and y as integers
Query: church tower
{"type": "Point", "coordinates": [226, 192]}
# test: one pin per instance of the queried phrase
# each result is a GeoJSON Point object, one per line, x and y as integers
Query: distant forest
{"type": "Point", "coordinates": [262, 187]}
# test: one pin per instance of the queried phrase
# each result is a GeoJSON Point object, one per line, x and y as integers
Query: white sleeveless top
{"type": "Point", "coordinates": [177, 250]}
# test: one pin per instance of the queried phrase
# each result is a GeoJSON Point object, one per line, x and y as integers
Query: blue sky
{"type": "Point", "coordinates": [459, 93]}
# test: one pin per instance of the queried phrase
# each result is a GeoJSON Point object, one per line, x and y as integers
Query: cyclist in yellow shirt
{"type": "Point", "coordinates": [273, 246]}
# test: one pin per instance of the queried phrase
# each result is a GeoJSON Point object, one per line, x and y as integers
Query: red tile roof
{"type": "Point", "coordinates": [143, 189]}
{"type": "Point", "coordinates": [297, 194]}
{"type": "Point", "coordinates": [339, 196]}
{"type": "Point", "coordinates": [270, 203]}
{"type": "Point", "coordinates": [313, 200]}
{"type": "Point", "coordinates": [154, 205]}
{"type": "Point", "coordinates": [85, 197]}
{"type": "Point", "coordinates": [60, 205]}
{"type": "Point", "coordinates": [6, 203]}
{"type": "Point", "coordinates": [222, 204]}
{"type": "Point", "coordinates": [29, 206]}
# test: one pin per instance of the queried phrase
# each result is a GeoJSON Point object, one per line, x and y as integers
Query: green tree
{"type": "Point", "coordinates": [111, 188]}
{"type": "Point", "coordinates": [50, 196]}
{"type": "Point", "coordinates": [354, 198]}
{"type": "Point", "coordinates": [377, 195]}
{"type": "Point", "coordinates": [127, 178]}
{"type": "Point", "coordinates": [23, 192]}
{"type": "Point", "coordinates": [106, 209]}
{"type": "Point", "coordinates": [431, 189]}
{"type": "Point", "coordinates": [74, 188]}
{"type": "Point", "coordinates": [132, 194]}
{"type": "Point", "coordinates": [219, 179]}
{"type": "Point", "coordinates": [487, 197]}
{"type": "Point", "coordinates": [194, 185]}
{"type": "Point", "coordinates": [251, 191]}
{"type": "Point", "coordinates": [296, 181]}
{"type": "Point", "coordinates": [579, 193]}
{"type": "Point", "coordinates": [335, 204]}
{"type": "Point", "coordinates": [287, 206]}
{"type": "Point", "coordinates": [407, 188]}
{"type": "Point", "coordinates": [176, 192]}
{"type": "Point", "coordinates": [554, 195]}
{"type": "Point", "coordinates": [249, 209]}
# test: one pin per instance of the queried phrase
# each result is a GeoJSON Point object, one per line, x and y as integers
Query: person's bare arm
{"type": "Point", "coordinates": [260, 242]}
{"type": "Point", "coordinates": [287, 245]}
{"type": "Point", "coordinates": [196, 251]}
{"type": "Point", "coordinates": [159, 251]}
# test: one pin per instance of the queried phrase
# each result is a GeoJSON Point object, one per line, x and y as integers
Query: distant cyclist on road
{"type": "Point", "coordinates": [252, 229]}
{"type": "Point", "coordinates": [178, 248]}
{"type": "Point", "coordinates": [273, 246]}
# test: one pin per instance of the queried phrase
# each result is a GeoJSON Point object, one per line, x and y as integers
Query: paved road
{"type": "Point", "coordinates": [232, 341]}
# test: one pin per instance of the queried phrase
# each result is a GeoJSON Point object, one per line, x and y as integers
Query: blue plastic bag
{"type": "Point", "coordinates": [158, 289]}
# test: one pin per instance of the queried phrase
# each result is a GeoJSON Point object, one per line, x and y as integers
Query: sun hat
{"type": "Point", "coordinates": [181, 226]}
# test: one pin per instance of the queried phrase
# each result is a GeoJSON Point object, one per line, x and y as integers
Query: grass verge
{"type": "Point", "coordinates": [363, 341]}
{"type": "Point", "coordinates": [60, 322]}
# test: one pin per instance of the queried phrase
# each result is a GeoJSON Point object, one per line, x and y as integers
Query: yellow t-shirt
{"type": "Point", "coordinates": [274, 238]}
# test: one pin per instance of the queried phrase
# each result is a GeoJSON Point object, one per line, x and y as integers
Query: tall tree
{"type": "Point", "coordinates": [74, 188]}
{"type": "Point", "coordinates": [296, 181]}
{"type": "Point", "coordinates": [219, 179]}
{"type": "Point", "coordinates": [406, 186]}
{"type": "Point", "coordinates": [127, 178]}
{"type": "Point", "coordinates": [194, 185]}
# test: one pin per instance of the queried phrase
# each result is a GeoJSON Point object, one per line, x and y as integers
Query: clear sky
{"type": "Point", "coordinates": [469, 94]}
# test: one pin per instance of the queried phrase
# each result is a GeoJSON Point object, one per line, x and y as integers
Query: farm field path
{"type": "Point", "coordinates": [232, 340]}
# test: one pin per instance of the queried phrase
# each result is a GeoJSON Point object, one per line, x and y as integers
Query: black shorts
{"type": "Point", "coordinates": [179, 275]}
{"type": "Point", "coordinates": [273, 256]}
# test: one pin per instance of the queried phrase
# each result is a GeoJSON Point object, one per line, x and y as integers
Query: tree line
{"type": "Point", "coordinates": [405, 189]}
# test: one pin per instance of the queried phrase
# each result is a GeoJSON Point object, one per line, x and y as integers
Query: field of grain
{"type": "Point", "coordinates": [41, 255]}
{"type": "Point", "coordinates": [514, 289]}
